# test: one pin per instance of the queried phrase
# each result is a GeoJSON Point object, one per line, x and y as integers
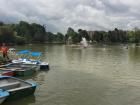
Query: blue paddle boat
{"type": "Point", "coordinates": [27, 57]}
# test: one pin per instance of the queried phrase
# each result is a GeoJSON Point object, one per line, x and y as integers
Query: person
{"type": "Point", "coordinates": [4, 51]}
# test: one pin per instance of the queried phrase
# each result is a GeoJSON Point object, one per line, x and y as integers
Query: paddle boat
{"type": "Point", "coordinates": [3, 95]}
{"type": "Point", "coordinates": [17, 88]}
{"type": "Point", "coordinates": [27, 57]}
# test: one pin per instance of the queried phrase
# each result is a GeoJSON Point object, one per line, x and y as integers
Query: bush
{"type": "Point", "coordinates": [20, 40]}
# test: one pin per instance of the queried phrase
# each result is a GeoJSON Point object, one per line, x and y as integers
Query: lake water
{"type": "Point", "coordinates": [98, 75]}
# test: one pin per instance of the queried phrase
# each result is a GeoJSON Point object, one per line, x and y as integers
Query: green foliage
{"type": "Point", "coordinates": [20, 40]}
{"type": "Point", "coordinates": [6, 35]}
{"type": "Point", "coordinates": [131, 36]}
{"type": "Point", "coordinates": [137, 36]}
{"type": "Point", "coordinates": [83, 33]}
{"type": "Point", "coordinates": [59, 37]}
{"type": "Point", "coordinates": [71, 34]}
{"type": "Point", "coordinates": [49, 37]}
{"type": "Point", "coordinates": [1, 23]}
{"type": "Point", "coordinates": [24, 29]}
{"type": "Point", "coordinates": [23, 32]}
{"type": "Point", "coordinates": [115, 35]}
{"type": "Point", "coordinates": [38, 32]}
{"type": "Point", "coordinates": [2, 59]}
{"type": "Point", "coordinates": [27, 33]}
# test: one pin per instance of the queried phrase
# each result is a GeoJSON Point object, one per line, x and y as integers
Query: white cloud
{"type": "Point", "coordinates": [61, 14]}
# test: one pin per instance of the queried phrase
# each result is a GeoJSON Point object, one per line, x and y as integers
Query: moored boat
{"type": "Point", "coordinates": [17, 88]}
{"type": "Point", "coordinates": [4, 72]}
{"type": "Point", "coordinates": [20, 70]}
{"type": "Point", "coordinates": [31, 58]}
{"type": "Point", "coordinates": [25, 71]}
{"type": "Point", "coordinates": [44, 66]}
{"type": "Point", "coordinates": [3, 95]}
{"type": "Point", "coordinates": [38, 64]}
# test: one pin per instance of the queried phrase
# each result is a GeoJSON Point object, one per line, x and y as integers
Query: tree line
{"type": "Point", "coordinates": [114, 36]}
{"type": "Point", "coordinates": [23, 32]}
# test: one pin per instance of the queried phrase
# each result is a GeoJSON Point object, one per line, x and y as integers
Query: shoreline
{"type": "Point", "coordinates": [78, 44]}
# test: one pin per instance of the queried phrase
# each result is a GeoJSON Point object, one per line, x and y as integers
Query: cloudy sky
{"type": "Point", "coordinates": [58, 15]}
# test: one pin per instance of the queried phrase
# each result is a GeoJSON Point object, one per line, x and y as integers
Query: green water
{"type": "Point", "coordinates": [98, 75]}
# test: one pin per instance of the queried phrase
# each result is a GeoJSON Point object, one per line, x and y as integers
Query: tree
{"type": "Point", "coordinates": [49, 37]}
{"type": "Point", "coordinates": [131, 36]}
{"type": "Point", "coordinates": [59, 37]}
{"type": "Point", "coordinates": [38, 32]}
{"type": "Point", "coordinates": [6, 35]}
{"type": "Point", "coordinates": [83, 33]}
{"type": "Point", "coordinates": [1, 23]}
{"type": "Point", "coordinates": [24, 29]}
{"type": "Point", "coordinates": [71, 34]}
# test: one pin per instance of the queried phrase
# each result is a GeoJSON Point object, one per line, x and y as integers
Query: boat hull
{"type": "Point", "coordinates": [44, 67]}
{"type": "Point", "coordinates": [20, 93]}
{"type": "Point", "coordinates": [26, 72]}
{"type": "Point", "coordinates": [2, 100]}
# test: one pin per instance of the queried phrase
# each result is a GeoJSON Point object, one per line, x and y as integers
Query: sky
{"type": "Point", "coordinates": [58, 15]}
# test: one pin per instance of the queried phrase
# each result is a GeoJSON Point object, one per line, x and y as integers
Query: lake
{"type": "Point", "coordinates": [97, 75]}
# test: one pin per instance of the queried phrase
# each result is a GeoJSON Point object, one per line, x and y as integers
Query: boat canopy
{"type": "Point", "coordinates": [23, 52]}
{"type": "Point", "coordinates": [36, 54]}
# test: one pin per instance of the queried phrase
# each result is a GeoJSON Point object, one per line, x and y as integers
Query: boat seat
{"type": "Point", "coordinates": [19, 88]}
{"type": "Point", "coordinates": [9, 85]}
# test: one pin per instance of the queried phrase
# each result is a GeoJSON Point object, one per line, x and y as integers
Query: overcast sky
{"type": "Point", "coordinates": [58, 15]}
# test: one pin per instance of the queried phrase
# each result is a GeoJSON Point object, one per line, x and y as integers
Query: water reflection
{"type": "Point", "coordinates": [134, 53]}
